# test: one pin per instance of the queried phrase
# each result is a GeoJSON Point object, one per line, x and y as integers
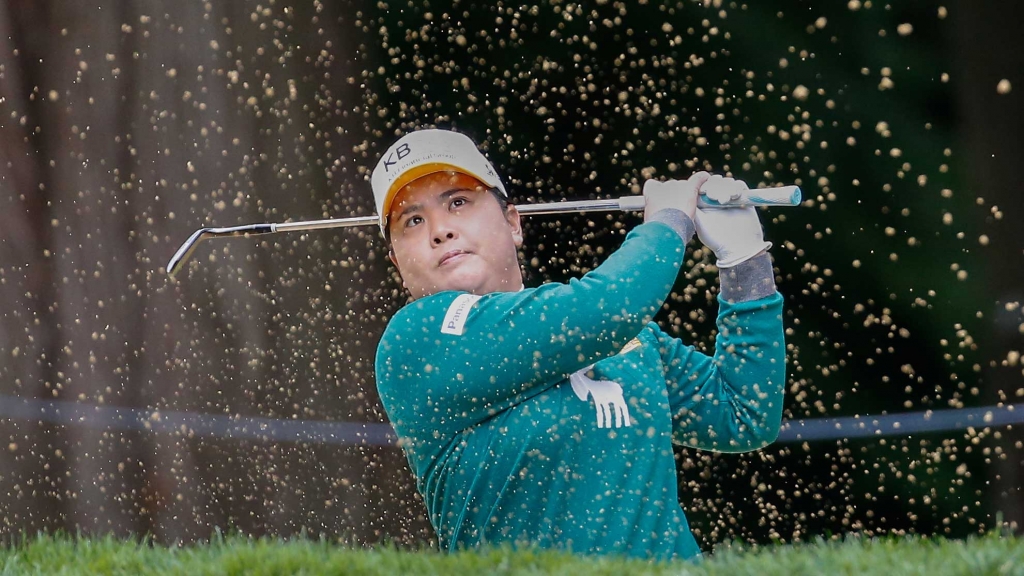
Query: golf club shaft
{"type": "Point", "coordinates": [781, 196]}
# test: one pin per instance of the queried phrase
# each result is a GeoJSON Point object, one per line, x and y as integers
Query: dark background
{"type": "Point", "coordinates": [124, 126]}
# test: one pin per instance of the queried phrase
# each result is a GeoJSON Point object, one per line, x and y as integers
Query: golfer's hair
{"type": "Point", "coordinates": [502, 200]}
{"type": "Point", "coordinates": [502, 203]}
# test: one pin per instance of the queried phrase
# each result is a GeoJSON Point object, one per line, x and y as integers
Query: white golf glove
{"type": "Point", "coordinates": [723, 190]}
{"type": "Point", "coordinates": [733, 234]}
{"type": "Point", "coordinates": [678, 194]}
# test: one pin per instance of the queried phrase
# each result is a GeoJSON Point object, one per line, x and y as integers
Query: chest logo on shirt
{"type": "Point", "coordinates": [612, 411]}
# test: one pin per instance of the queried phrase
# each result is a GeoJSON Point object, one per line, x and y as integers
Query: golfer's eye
{"type": "Point", "coordinates": [412, 221]}
{"type": "Point", "coordinates": [456, 202]}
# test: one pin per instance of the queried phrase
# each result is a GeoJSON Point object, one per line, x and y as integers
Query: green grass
{"type": "Point", "coordinates": [990, 554]}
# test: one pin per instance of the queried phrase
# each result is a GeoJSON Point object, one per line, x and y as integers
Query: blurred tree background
{"type": "Point", "coordinates": [127, 125]}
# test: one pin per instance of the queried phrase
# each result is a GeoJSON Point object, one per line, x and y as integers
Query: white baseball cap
{"type": "Point", "coordinates": [424, 152]}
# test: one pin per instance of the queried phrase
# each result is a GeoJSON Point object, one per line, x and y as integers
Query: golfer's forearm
{"type": "Point", "coordinates": [732, 401]}
{"type": "Point", "coordinates": [611, 304]}
{"type": "Point", "coordinates": [675, 219]}
{"type": "Point", "coordinates": [546, 333]}
{"type": "Point", "coordinates": [750, 354]}
{"type": "Point", "coordinates": [751, 280]}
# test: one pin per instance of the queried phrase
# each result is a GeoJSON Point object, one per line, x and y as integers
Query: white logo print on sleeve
{"type": "Point", "coordinates": [612, 411]}
{"type": "Point", "coordinates": [455, 320]}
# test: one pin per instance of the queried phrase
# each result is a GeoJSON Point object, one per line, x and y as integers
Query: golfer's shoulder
{"type": "Point", "coordinates": [412, 330]}
{"type": "Point", "coordinates": [425, 316]}
{"type": "Point", "coordinates": [436, 318]}
{"type": "Point", "coordinates": [652, 334]}
{"type": "Point", "coordinates": [657, 341]}
{"type": "Point", "coordinates": [416, 315]}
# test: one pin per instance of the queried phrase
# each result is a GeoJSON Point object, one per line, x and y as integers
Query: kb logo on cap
{"type": "Point", "coordinates": [402, 151]}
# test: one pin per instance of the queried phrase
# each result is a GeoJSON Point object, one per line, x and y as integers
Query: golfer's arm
{"type": "Point", "coordinates": [514, 345]}
{"type": "Point", "coordinates": [732, 402]}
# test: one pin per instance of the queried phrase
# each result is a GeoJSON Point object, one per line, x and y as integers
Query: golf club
{"type": "Point", "coordinates": [780, 196]}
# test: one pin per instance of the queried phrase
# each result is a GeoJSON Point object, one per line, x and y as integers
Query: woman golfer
{"type": "Point", "coordinates": [546, 416]}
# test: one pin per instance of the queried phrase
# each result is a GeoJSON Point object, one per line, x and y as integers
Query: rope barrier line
{"type": "Point", "coordinates": [67, 413]}
{"type": "Point", "coordinates": [902, 424]}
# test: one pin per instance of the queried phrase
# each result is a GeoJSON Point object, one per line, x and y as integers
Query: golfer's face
{"type": "Point", "coordinates": [448, 232]}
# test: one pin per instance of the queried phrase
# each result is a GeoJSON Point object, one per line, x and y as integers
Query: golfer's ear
{"type": "Point", "coordinates": [391, 256]}
{"type": "Point", "coordinates": [514, 222]}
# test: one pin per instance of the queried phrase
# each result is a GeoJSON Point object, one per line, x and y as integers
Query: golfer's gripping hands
{"type": "Point", "coordinates": [678, 194]}
{"type": "Point", "coordinates": [734, 234]}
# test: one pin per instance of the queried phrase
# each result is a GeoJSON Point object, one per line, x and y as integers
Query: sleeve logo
{"type": "Point", "coordinates": [455, 319]}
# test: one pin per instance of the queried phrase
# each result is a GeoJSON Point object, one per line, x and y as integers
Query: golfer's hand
{"type": "Point", "coordinates": [733, 234]}
{"type": "Point", "coordinates": [723, 190]}
{"type": "Point", "coordinates": [678, 194]}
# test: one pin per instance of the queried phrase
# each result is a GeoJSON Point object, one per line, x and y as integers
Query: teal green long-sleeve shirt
{"type": "Point", "coordinates": [546, 417]}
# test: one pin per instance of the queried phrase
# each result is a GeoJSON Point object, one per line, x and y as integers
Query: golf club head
{"type": "Point", "coordinates": [185, 251]}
